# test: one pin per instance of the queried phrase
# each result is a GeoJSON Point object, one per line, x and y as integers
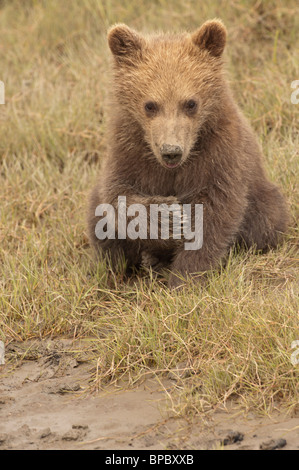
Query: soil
{"type": "Point", "coordinates": [45, 403]}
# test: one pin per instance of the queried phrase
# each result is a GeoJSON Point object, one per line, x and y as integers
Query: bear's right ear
{"type": "Point", "coordinates": [124, 42]}
{"type": "Point", "coordinates": [211, 36]}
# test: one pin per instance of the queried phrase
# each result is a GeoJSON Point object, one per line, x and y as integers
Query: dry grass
{"type": "Point", "coordinates": [232, 338]}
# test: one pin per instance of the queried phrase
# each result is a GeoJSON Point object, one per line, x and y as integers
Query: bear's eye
{"type": "Point", "coordinates": [190, 106]}
{"type": "Point", "coordinates": [150, 108]}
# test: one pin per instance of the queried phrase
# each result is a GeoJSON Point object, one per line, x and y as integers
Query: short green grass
{"type": "Point", "coordinates": [230, 339]}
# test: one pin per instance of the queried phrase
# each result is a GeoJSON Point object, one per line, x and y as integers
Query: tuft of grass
{"type": "Point", "coordinates": [231, 339]}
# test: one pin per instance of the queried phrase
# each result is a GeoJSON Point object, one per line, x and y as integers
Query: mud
{"type": "Point", "coordinates": [45, 403]}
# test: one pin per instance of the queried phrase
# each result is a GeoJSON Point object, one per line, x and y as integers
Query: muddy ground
{"type": "Point", "coordinates": [45, 403]}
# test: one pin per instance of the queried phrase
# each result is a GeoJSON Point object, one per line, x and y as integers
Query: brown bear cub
{"type": "Point", "coordinates": [177, 137]}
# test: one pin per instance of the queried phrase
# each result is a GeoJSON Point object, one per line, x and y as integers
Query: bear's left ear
{"type": "Point", "coordinates": [211, 36]}
{"type": "Point", "coordinates": [124, 42]}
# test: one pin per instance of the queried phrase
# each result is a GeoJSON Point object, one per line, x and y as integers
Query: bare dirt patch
{"type": "Point", "coordinates": [45, 404]}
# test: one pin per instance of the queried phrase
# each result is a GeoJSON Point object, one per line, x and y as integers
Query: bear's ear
{"type": "Point", "coordinates": [211, 36]}
{"type": "Point", "coordinates": [124, 42]}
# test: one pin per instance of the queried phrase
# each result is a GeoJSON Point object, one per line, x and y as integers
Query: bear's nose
{"type": "Point", "coordinates": [171, 153]}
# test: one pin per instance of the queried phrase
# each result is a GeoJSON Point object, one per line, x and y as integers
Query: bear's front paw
{"type": "Point", "coordinates": [173, 220]}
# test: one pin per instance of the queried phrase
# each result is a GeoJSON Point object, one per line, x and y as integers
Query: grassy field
{"type": "Point", "coordinates": [231, 339]}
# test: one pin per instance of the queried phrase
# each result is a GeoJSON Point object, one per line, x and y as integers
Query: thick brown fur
{"type": "Point", "coordinates": [221, 163]}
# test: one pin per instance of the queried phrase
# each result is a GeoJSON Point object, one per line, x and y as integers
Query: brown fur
{"type": "Point", "coordinates": [220, 165]}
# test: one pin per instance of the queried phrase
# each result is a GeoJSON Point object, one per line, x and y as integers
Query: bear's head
{"type": "Point", "coordinates": [170, 84]}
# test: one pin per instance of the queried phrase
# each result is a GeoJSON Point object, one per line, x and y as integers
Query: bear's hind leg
{"type": "Point", "coordinates": [265, 220]}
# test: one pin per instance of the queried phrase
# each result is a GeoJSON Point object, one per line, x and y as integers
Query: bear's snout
{"type": "Point", "coordinates": [171, 154]}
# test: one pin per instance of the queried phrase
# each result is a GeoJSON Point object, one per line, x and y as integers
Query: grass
{"type": "Point", "coordinates": [230, 339]}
